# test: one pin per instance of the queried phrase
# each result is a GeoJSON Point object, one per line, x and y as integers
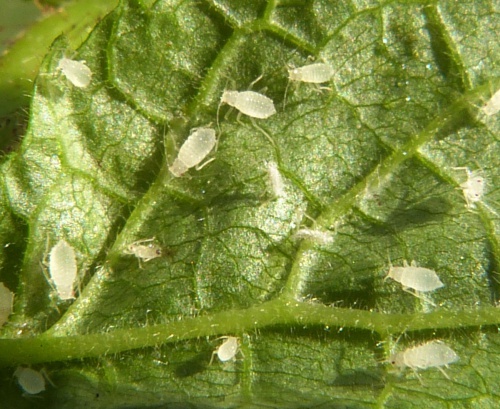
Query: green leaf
{"type": "Point", "coordinates": [369, 159]}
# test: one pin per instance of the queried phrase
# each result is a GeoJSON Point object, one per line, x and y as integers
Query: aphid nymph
{"type": "Point", "coordinates": [276, 180]}
{"type": "Point", "coordinates": [432, 354]}
{"type": "Point", "coordinates": [416, 278]}
{"type": "Point", "coordinates": [493, 105]}
{"type": "Point", "coordinates": [144, 250]}
{"type": "Point", "coordinates": [316, 73]}
{"type": "Point", "coordinates": [6, 303]}
{"type": "Point", "coordinates": [250, 103]}
{"type": "Point", "coordinates": [31, 381]}
{"type": "Point", "coordinates": [318, 236]}
{"type": "Point", "coordinates": [75, 71]}
{"type": "Point", "coordinates": [473, 188]}
{"type": "Point", "coordinates": [63, 269]}
{"type": "Point", "coordinates": [227, 350]}
{"type": "Point", "coordinates": [196, 147]}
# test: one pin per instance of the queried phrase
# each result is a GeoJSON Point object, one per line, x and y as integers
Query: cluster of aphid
{"type": "Point", "coordinates": [201, 141]}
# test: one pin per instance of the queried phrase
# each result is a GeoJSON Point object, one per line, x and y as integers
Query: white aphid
{"type": "Point", "coordinates": [277, 184]}
{"type": "Point", "coordinates": [250, 103]}
{"type": "Point", "coordinates": [227, 350]}
{"type": "Point", "coordinates": [432, 354]}
{"type": "Point", "coordinates": [196, 147]}
{"type": "Point", "coordinates": [75, 71]}
{"type": "Point", "coordinates": [473, 188]}
{"type": "Point", "coordinates": [493, 105]}
{"type": "Point", "coordinates": [144, 250]}
{"type": "Point", "coordinates": [417, 278]}
{"type": "Point", "coordinates": [318, 236]}
{"type": "Point", "coordinates": [63, 269]}
{"type": "Point", "coordinates": [6, 303]}
{"type": "Point", "coordinates": [31, 381]}
{"type": "Point", "coordinates": [313, 73]}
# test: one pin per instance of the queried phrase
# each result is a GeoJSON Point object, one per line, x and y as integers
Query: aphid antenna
{"type": "Point", "coordinates": [390, 267]}
{"type": "Point", "coordinates": [218, 106]}
{"type": "Point", "coordinates": [286, 92]}
{"type": "Point", "coordinates": [255, 81]}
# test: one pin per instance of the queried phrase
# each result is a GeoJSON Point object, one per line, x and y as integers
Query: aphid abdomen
{"type": "Point", "coordinates": [313, 73]}
{"type": "Point", "coordinates": [254, 104]}
{"type": "Point", "coordinates": [429, 355]}
{"type": "Point", "coordinates": [31, 381]}
{"type": "Point", "coordinates": [63, 269]}
{"type": "Point", "coordinates": [420, 279]}
{"type": "Point", "coordinates": [196, 147]}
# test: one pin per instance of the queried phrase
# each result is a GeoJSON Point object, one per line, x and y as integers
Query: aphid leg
{"type": "Point", "coordinates": [418, 295]}
{"type": "Point", "coordinates": [419, 377]}
{"type": "Point", "coordinates": [44, 373]}
{"type": "Point", "coordinates": [320, 88]}
{"type": "Point", "coordinates": [212, 357]}
{"type": "Point", "coordinates": [200, 167]}
{"type": "Point", "coordinates": [263, 132]}
{"type": "Point", "coordinates": [443, 372]}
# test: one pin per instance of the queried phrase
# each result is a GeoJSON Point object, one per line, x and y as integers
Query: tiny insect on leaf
{"type": "Point", "coordinates": [75, 71]}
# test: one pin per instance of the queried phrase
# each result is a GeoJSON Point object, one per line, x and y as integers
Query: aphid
{"type": "Point", "coordinates": [250, 103]}
{"type": "Point", "coordinates": [144, 252]}
{"type": "Point", "coordinates": [6, 303]}
{"type": "Point", "coordinates": [313, 73]}
{"type": "Point", "coordinates": [417, 278]}
{"type": "Point", "coordinates": [75, 71]}
{"type": "Point", "coordinates": [31, 381]}
{"type": "Point", "coordinates": [473, 188]}
{"type": "Point", "coordinates": [196, 147]}
{"type": "Point", "coordinates": [493, 105]}
{"type": "Point", "coordinates": [432, 354]}
{"type": "Point", "coordinates": [63, 269]}
{"type": "Point", "coordinates": [277, 184]}
{"type": "Point", "coordinates": [318, 236]}
{"type": "Point", "coordinates": [227, 350]}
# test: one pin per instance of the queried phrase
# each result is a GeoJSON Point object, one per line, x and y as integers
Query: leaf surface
{"type": "Point", "coordinates": [369, 159]}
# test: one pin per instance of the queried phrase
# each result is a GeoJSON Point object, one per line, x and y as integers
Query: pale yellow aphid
{"type": "Point", "coordinates": [316, 73]}
{"type": "Point", "coordinates": [318, 236]}
{"type": "Point", "coordinates": [417, 278]}
{"type": "Point", "coordinates": [196, 147]}
{"type": "Point", "coordinates": [275, 179]}
{"type": "Point", "coordinates": [227, 350]}
{"type": "Point", "coordinates": [32, 382]}
{"type": "Point", "coordinates": [63, 269]}
{"type": "Point", "coordinates": [250, 103]}
{"type": "Point", "coordinates": [473, 188]}
{"type": "Point", "coordinates": [144, 250]}
{"type": "Point", "coordinates": [76, 72]}
{"type": "Point", "coordinates": [6, 303]}
{"type": "Point", "coordinates": [432, 354]}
